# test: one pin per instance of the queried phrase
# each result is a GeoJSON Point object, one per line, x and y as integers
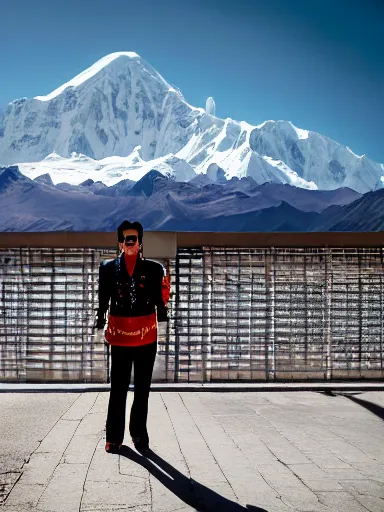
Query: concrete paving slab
{"type": "Point", "coordinates": [340, 501]}
{"type": "Point", "coordinates": [115, 495]}
{"type": "Point", "coordinates": [371, 503]}
{"type": "Point", "coordinates": [23, 497]}
{"type": "Point", "coordinates": [327, 460]}
{"type": "Point", "coordinates": [80, 407]}
{"type": "Point", "coordinates": [24, 423]}
{"type": "Point", "coordinates": [373, 470]}
{"type": "Point", "coordinates": [65, 490]}
{"type": "Point", "coordinates": [80, 449]}
{"type": "Point", "coordinates": [323, 484]}
{"type": "Point", "coordinates": [103, 466]}
{"type": "Point", "coordinates": [231, 452]}
{"type": "Point", "coordinates": [57, 440]}
{"type": "Point", "coordinates": [92, 424]}
{"type": "Point", "coordinates": [7, 480]}
{"type": "Point", "coordinates": [350, 473]}
{"type": "Point", "coordinates": [40, 468]}
{"type": "Point", "coordinates": [301, 501]}
{"type": "Point", "coordinates": [307, 471]}
{"type": "Point", "coordinates": [364, 487]}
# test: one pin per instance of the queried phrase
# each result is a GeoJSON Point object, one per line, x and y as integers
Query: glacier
{"type": "Point", "coordinates": [120, 118]}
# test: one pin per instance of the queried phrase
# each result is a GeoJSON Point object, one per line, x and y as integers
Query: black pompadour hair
{"type": "Point", "coordinates": [130, 225]}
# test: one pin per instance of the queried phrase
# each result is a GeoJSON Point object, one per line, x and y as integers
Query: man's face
{"type": "Point", "coordinates": [130, 247]}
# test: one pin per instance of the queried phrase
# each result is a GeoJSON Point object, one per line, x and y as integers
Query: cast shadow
{"type": "Point", "coordinates": [193, 493]}
{"type": "Point", "coordinates": [378, 410]}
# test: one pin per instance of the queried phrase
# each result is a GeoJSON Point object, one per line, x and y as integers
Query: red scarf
{"type": "Point", "coordinates": [130, 262]}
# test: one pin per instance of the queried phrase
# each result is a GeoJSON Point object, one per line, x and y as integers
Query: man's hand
{"type": "Point", "coordinates": [99, 323]}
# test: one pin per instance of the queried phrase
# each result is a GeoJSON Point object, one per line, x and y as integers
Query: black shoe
{"type": "Point", "coordinates": [140, 444]}
{"type": "Point", "coordinates": [112, 447]}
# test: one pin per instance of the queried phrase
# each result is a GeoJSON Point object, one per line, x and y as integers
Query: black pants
{"type": "Point", "coordinates": [143, 358]}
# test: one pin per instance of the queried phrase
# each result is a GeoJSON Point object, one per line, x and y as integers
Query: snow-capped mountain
{"type": "Point", "coordinates": [117, 104]}
{"type": "Point", "coordinates": [119, 119]}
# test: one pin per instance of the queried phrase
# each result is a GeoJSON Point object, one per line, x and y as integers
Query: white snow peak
{"type": "Point", "coordinates": [89, 73]}
{"type": "Point", "coordinates": [354, 154]}
{"type": "Point", "coordinates": [119, 119]}
{"type": "Point", "coordinates": [301, 134]}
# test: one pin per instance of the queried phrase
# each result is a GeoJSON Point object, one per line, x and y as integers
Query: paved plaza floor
{"type": "Point", "coordinates": [235, 451]}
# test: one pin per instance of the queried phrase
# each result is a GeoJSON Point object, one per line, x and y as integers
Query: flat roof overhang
{"type": "Point", "coordinates": [164, 244]}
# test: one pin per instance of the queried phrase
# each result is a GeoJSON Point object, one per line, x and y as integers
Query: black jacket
{"type": "Point", "coordinates": [128, 296]}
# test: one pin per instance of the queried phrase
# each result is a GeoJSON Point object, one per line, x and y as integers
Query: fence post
{"type": "Point", "coordinates": [177, 306]}
{"type": "Point", "coordinates": [207, 314]}
{"type": "Point", "coordinates": [327, 313]}
{"type": "Point", "coordinates": [270, 356]}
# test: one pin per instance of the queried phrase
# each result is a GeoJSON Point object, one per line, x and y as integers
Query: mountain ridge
{"type": "Point", "coordinates": [126, 119]}
{"type": "Point", "coordinates": [162, 203]}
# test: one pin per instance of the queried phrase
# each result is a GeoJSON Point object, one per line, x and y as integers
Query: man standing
{"type": "Point", "coordinates": [137, 292]}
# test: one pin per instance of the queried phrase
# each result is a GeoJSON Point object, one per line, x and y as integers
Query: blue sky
{"type": "Point", "coordinates": [317, 64]}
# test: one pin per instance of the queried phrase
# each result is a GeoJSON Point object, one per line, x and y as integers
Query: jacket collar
{"type": "Point", "coordinates": [123, 268]}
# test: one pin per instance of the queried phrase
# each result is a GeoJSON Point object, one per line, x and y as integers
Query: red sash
{"type": "Point", "coordinates": [131, 331]}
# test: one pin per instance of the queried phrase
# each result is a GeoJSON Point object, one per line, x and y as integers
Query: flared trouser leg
{"type": "Point", "coordinates": [143, 367]}
{"type": "Point", "coordinates": [142, 358]}
{"type": "Point", "coordinates": [121, 367]}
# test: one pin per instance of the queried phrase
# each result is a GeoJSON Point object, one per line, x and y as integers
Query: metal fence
{"type": "Point", "coordinates": [236, 314]}
{"type": "Point", "coordinates": [47, 303]}
{"type": "Point", "coordinates": [277, 314]}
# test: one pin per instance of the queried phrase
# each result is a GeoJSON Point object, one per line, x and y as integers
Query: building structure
{"type": "Point", "coordinates": [244, 306]}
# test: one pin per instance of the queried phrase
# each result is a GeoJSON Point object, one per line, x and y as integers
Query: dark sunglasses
{"type": "Point", "coordinates": [130, 238]}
